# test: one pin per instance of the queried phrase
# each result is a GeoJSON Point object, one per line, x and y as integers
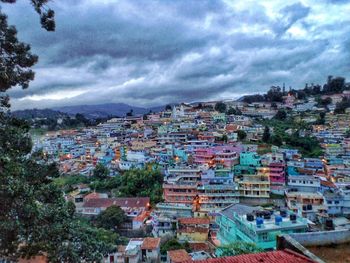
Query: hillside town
{"type": "Point", "coordinates": [140, 131]}
{"type": "Point", "coordinates": [266, 177]}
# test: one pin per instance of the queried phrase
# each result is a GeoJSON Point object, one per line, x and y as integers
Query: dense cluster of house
{"type": "Point", "coordinates": [216, 190]}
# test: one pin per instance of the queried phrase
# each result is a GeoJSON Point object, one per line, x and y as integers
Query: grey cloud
{"type": "Point", "coordinates": [153, 52]}
{"type": "Point", "coordinates": [290, 15]}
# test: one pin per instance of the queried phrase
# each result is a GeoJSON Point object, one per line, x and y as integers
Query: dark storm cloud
{"type": "Point", "coordinates": [153, 52]}
{"type": "Point", "coordinates": [289, 15]}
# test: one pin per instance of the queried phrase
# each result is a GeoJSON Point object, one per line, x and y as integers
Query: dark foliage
{"type": "Point", "coordinates": [220, 107]}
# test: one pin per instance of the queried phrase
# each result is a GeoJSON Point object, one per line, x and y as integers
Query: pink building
{"type": "Point", "coordinates": [226, 155]}
{"type": "Point", "coordinates": [204, 156]}
{"type": "Point", "coordinates": [277, 177]}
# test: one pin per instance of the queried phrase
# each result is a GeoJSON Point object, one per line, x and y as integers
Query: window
{"type": "Point", "coordinates": [264, 236]}
{"type": "Point", "coordinates": [149, 250]}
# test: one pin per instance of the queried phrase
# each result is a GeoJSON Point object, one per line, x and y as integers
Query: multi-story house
{"type": "Point", "coordinates": [345, 192]}
{"type": "Point", "coordinates": [216, 197]}
{"type": "Point", "coordinates": [254, 185]}
{"type": "Point", "coordinates": [249, 224]}
{"type": "Point", "coordinates": [304, 183]}
{"type": "Point", "coordinates": [213, 188]}
{"type": "Point", "coordinates": [204, 156]}
{"type": "Point", "coordinates": [334, 202]}
{"type": "Point", "coordinates": [226, 156]}
{"type": "Point", "coordinates": [140, 250]}
{"type": "Point", "coordinates": [181, 185]}
{"type": "Point", "coordinates": [307, 205]}
{"type": "Point", "coordinates": [195, 229]}
{"type": "Point", "coordinates": [277, 177]}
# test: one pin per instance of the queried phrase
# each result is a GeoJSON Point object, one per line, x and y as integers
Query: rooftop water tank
{"type": "Point", "coordinates": [267, 215]}
{"type": "Point", "coordinates": [293, 218]}
{"type": "Point", "coordinates": [283, 213]}
{"type": "Point", "coordinates": [259, 221]}
{"type": "Point", "coordinates": [250, 217]}
{"type": "Point", "coordinates": [278, 220]}
{"type": "Point", "coordinates": [329, 224]}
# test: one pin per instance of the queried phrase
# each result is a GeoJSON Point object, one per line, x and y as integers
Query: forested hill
{"type": "Point", "coordinates": [38, 114]}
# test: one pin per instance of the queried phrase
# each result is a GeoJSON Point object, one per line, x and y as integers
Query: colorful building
{"type": "Point", "coordinates": [249, 224]}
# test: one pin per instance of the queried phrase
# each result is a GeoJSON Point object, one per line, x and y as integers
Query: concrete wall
{"type": "Point", "coordinates": [262, 201]}
{"type": "Point", "coordinates": [287, 242]}
{"type": "Point", "coordinates": [322, 238]}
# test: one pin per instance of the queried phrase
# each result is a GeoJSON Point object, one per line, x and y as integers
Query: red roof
{"type": "Point", "coordinates": [150, 243]}
{"type": "Point", "coordinates": [129, 202]}
{"type": "Point", "coordinates": [194, 220]}
{"type": "Point", "coordinates": [199, 246]}
{"type": "Point", "coordinates": [328, 184]}
{"type": "Point", "coordinates": [279, 256]}
{"type": "Point", "coordinates": [98, 202]}
{"type": "Point", "coordinates": [142, 217]}
{"type": "Point", "coordinates": [179, 255]}
{"type": "Point", "coordinates": [193, 230]}
{"type": "Point", "coordinates": [92, 195]}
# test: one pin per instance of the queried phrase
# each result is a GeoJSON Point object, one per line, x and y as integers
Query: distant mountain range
{"type": "Point", "coordinates": [89, 111]}
{"type": "Point", "coordinates": [38, 113]}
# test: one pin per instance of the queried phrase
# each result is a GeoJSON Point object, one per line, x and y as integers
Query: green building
{"type": "Point", "coordinates": [249, 159]}
{"type": "Point", "coordinates": [251, 224]}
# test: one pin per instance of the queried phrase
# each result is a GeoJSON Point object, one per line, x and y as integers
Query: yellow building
{"type": "Point", "coordinates": [193, 229]}
{"type": "Point", "coordinates": [255, 185]}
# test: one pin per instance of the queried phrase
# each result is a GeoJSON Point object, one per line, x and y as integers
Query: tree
{"type": "Point", "coordinates": [224, 138]}
{"type": "Point", "coordinates": [334, 85]}
{"type": "Point", "coordinates": [84, 243]}
{"type": "Point", "coordinates": [326, 101]}
{"type": "Point", "coordinates": [111, 218]}
{"type": "Point", "coordinates": [231, 111]}
{"type": "Point", "coordinates": [130, 113]}
{"type": "Point", "coordinates": [137, 182]}
{"type": "Point", "coordinates": [342, 106]}
{"type": "Point", "coordinates": [47, 15]}
{"type": "Point", "coordinates": [276, 140]}
{"type": "Point", "coordinates": [168, 107]}
{"type": "Point", "coordinates": [34, 216]}
{"type": "Point", "coordinates": [321, 119]}
{"type": "Point", "coordinates": [281, 115]}
{"type": "Point", "coordinates": [301, 95]}
{"type": "Point", "coordinates": [274, 94]}
{"type": "Point", "coordinates": [238, 111]}
{"type": "Point", "coordinates": [238, 248]}
{"type": "Point", "coordinates": [80, 118]}
{"type": "Point", "coordinates": [347, 134]}
{"type": "Point", "coordinates": [174, 244]}
{"type": "Point", "coordinates": [241, 135]}
{"type": "Point", "coordinates": [101, 172]}
{"type": "Point", "coordinates": [266, 134]}
{"type": "Point", "coordinates": [220, 107]}
{"type": "Point", "coordinates": [254, 98]}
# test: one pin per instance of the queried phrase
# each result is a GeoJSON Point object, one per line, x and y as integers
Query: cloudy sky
{"type": "Point", "coordinates": [148, 53]}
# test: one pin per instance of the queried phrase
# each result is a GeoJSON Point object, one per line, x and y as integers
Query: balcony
{"type": "Point", "coordinates": [220, 201]}
{"type": "Point", "coordinates": [218, 194]}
